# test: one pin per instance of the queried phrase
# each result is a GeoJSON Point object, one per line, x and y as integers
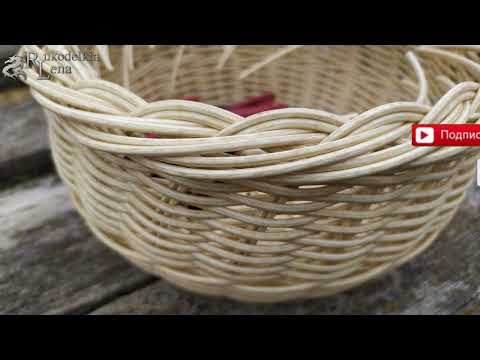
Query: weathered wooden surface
{"type": "Point", "coordinates": [29, 206]}
{"type": "Point", "coordinates": [24, 146]}
{"type": "Point", "coordinates": [51, 264]}
{"type": "Point", "coordinates": [49, 261]}
{"type": "Point", "coordinates": [473, 306]}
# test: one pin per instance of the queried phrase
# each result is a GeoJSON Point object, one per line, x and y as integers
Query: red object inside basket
{"type": "Point", "coordinates": [252, 105]}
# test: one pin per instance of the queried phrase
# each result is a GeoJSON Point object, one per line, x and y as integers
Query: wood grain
{"type": "Point", "coordinates": [29, 206]}
{"type": "Point", "coordinates": [52, 264]}
{"type": "Point", "coordinates": [24, 149]}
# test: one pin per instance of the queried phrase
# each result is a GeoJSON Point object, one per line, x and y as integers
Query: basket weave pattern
{"type": "Point", "coordinates": [293, 203]}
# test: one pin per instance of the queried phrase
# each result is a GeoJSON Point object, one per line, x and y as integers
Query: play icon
{"type": "Point", "coordinates": [424, 135]}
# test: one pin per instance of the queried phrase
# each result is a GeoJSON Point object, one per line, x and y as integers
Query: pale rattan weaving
{"type": "Point", "coordinates": [293, 203]}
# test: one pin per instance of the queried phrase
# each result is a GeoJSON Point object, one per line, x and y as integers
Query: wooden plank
{"type": "Point", "coordinates": [443, 280]}
{"type": "Point", "coordinates": [29, 206]}
{"type": "Point", "coordinates": [472, 307]}
{"type": "Point", "coordinates": [24, 149]}
{"type": "Point", "coordinates": [50, 262]}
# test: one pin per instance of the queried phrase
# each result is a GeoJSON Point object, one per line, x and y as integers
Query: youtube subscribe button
{"type": "Point", "coordinates": [446, 135]}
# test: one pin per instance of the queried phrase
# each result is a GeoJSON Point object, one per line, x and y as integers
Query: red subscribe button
{"type": "Point", "coordinates": [446, 135]}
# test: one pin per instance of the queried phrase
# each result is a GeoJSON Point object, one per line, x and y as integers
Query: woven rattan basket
{"type": "Point", "coordinates": [292, 203]}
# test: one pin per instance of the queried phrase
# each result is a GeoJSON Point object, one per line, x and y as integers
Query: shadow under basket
{"type": "Point", "coordinates": [301, 202]}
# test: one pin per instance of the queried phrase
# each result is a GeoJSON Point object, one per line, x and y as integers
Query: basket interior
{"type": "Point", "coordinates": [335, 78]}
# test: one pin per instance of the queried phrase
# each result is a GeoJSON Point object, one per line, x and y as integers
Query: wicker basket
{"type": "Point", "coordinates": [293, 203]}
